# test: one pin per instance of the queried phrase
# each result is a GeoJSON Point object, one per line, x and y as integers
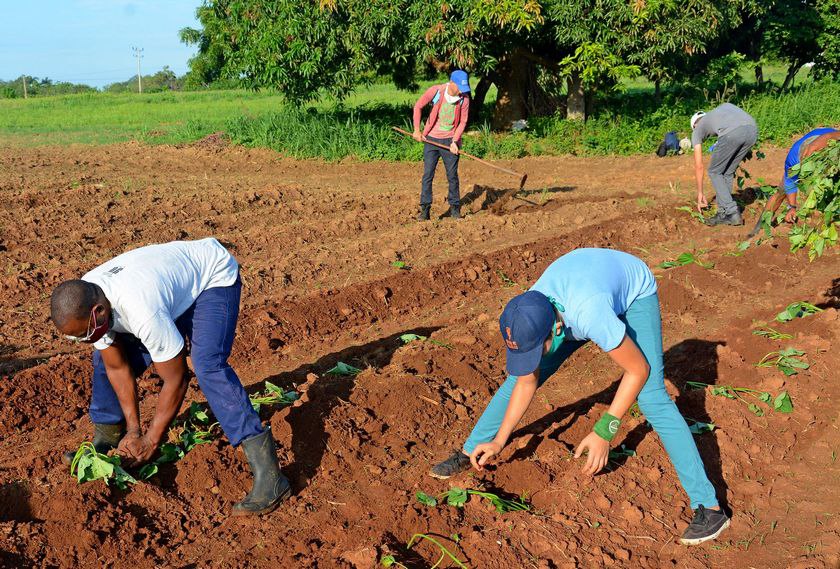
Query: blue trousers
{"type": "Point", "coordinates": [210, 325]}
{"type": "Point", "coordinates": [644, 327]}
{"type": "Point", "coordinates": [431, 155]}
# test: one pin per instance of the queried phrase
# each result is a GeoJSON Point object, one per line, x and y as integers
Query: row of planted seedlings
{"type": "Point", "coordinates": [196, 428]}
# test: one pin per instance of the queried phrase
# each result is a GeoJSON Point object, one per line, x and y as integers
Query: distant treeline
{"type": "Point", "coordinates": [163, 80]}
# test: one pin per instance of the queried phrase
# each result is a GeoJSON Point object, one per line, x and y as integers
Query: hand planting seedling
{"type": "Point", "coordinates": [686, 259]}
{"type": "Point", "coordinates": [342, 368]}
{"type": "Point", "coordinates": [458, 497]}
{"type": "Point", "coordinates": [272, 395]}
{"type": "Point", "coordinates": [772, 334]}
{"type": "Point", "coordinates": [406, 338]}
{"type": "Point", "coordinates": [89, 465]}
{"type": "Point", "coordinates": [797, 310]}
{"type": "Point", "coordinates": [786, 360]}
{"type": "Point", "coordinates": [781, 403]}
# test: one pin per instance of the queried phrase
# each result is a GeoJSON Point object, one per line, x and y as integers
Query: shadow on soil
{"type": "Point", "coordinates": [690, 360]}
{"type": "Point", "coordinates": [309, 438]}
{"type": "Point", "coordinates": [482, 198]}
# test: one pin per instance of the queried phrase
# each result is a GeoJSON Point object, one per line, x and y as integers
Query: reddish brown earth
{"type": "Point", "coordinates": [316, 242]}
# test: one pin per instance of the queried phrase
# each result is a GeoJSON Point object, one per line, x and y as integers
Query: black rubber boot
{"type": "Point", "coordinates": [455, 211]}
{"type": "Point", "coordinates": [270, 486]}
{"type": "Point", "coordinates": [105, 438]}
{"type": "Point", "coordinates": [425, 212]}
{"type": "Point", "coordinates": [723, 219]}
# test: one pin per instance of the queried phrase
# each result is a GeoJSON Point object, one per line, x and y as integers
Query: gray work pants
{"type": "Point", "coordinates": [730, 150]}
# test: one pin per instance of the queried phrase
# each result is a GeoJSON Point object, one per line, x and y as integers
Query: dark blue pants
{"type": "Point", "coordinates": [431, 154]}
{"type": "Point", "coordinates": [210, 325]}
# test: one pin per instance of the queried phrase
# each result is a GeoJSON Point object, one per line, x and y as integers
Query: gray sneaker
{"type": "Point", "coordinates": [721, 218]}
{"type": "Point", "coordinates": [455, 464]}
{"type": "Point", "coordinates": [706, 525]}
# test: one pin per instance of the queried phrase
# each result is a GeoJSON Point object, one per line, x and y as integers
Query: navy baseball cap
{"type": "Point", "coordinates": [525, 324]}
{"type": "Point", "coordinates": [461, 79]}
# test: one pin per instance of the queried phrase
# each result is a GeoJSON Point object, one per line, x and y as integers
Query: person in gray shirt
{"type": "Point", "coordinates": [736, 132]}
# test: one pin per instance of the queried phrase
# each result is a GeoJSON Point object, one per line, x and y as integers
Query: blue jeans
{"type": "Point", "coordinates": [210, 325]}
{"type": "Point", "coordinates": [644, 327]}
{"type": "Point", "coordinates": [431, 155]}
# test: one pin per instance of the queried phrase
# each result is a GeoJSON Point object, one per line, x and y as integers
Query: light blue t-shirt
{"type": "Point", "coordinates": [595, 287]}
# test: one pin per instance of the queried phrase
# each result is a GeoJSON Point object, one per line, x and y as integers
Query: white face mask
{"type": "Point", "coordinates": [451, 99]}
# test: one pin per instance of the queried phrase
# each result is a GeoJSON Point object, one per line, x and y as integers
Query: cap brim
{"type": "Point", "coordinates": [524, 363]}
{"type": "Point", "coordinates": [467, 90]}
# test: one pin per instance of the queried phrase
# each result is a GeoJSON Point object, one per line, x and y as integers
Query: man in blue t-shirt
{"type": "Point", "coordinates": [608, 297]}
{"type": "Point", "coordinates": [813, 141]}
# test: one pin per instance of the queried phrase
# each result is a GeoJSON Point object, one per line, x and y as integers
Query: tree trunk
{"type": "Point", "coordinates": [477, 100]}
{"type": "Point", "coordinates": [759, 75]}
{"type": "Point", "coordinates": [791, 73]}
{"type": "Point", "coordinates": [512, 85]}
{"type": "Point", "coordinates": [657, 90]}
{"type": "Point", "coordinates": [576, 100]}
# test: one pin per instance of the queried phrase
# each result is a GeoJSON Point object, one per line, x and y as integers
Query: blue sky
{"type": "Point", "coordinates": [89, 41]}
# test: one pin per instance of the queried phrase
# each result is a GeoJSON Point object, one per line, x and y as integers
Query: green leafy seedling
{"type": "Point", "coordinates": [772, 334]}
{"type": "Point", "coordinates": [797, 310]}
{"type": "Point", "coordinates": [400, 265]}
{"type": "Point", "coordinates": [426, 500]}
{"type": "Point", "coordinates": [686, 259]}
{"type": "Point", "coordinates": [273, 395]}
{"type": "Point", "coordinates": [89, 465]}
{"type": "Point", "coordinates": [782, 403]}
{"type": "Point", "coordinates": [417, 537]}
{"type": "Point", "coordinates": [342, 368]}
{"type": "Point", "coordinates": [621, 452]}
{"type": "Point", "coordinates": [785, 405]}
{"type": "Point", "coordinates": [693, 213]}
{"type": "Point", "coordinates": [390, 561]}
{"type": "Point", "coordinates": [507, 282]}
{"type": "Point", "coordinates": [787, 361]}
{"type": "Point", "coordinates": [407, 338]}
{"type": "Point", "coordinates": [699, 427]}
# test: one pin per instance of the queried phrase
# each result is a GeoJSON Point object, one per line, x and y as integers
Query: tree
{"type": "Point", "coordinates": [308, 48]}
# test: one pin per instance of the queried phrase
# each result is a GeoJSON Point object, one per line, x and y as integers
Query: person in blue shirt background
{"type": "Point", "coordinates": [813, 141]}
{"type": "Point", "coordinates": [610, 298]}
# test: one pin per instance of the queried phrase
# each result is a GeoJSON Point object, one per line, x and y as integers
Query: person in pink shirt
{"type": "Point", "coordinates": [445, 125]}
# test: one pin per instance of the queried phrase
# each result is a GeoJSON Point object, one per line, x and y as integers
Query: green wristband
{"type": "Point", "coordinates": [607, 426]}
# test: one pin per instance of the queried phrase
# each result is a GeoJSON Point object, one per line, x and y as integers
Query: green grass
{"type": "Point", "coordinates": [625, 123]}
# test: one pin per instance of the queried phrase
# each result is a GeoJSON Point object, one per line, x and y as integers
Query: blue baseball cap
{"type": "Point", "coordinates": [461, 79]}
{"type": "Point", "coordinates": [525, 324]}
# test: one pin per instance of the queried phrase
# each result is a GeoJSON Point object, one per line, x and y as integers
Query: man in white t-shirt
{"type": "Point", "coordinates": [138, 308]}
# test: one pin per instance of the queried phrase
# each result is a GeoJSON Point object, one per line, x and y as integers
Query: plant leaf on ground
{"type": "Point", "coordinates": [457, 497]}
{"type": "Point", "coordinates": [621, 452]}
{"type": "Point", "coordinates": [797, 310]}
{"type": "Point", "coordinates": [89, 465]}
{"type": "Point", "coordinates": [406, 338]}
{"type": "Point", "coordinates": [786, 360]}
{"type": "Point", "coordinates": [782, 402]}
{"type": "Point", "coordinates": [772, 334]}
{"type": "Point", "coordinates": [444, 552]}
{"type": "Point", "coordinates": [272, 395]}
{"type": "Point", "coordinates": [342, 368]}
{"type": "Point", "coordinates": [686, 259]}
{"type": "Point", "coordinates": [699, 427]}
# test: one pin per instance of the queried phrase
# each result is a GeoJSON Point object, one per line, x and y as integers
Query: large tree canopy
{"type": "Point", "coordinates": [306, 48]}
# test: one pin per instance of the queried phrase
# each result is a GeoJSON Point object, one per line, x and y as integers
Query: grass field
{"type": "Point", "coordinates": [628, 122]}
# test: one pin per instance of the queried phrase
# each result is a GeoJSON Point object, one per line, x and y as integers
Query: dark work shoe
{"type": "Point", "coordinates": [455, 211]}
{"type": "Point", "coordinates": [105, 438]}
{"type": "Point", "coordinates": [270, 486]}
{"type": "Point", "coordinates": [706, 525]}
{"type": "Point", "coordinates": [455, 464]}
{"type": "Point", "coordinates": [721, 218]}
{"type": "Point", "coordinates": [425, 212]}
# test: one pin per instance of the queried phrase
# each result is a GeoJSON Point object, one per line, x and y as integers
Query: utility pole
{"type": "Point", "coordinates": [25, 95]}
{"type": "Point", "coordinates": [138, 53]}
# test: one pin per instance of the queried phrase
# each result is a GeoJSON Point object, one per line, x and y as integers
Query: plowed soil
{"type": "Point", "coordinates": [316, 243]}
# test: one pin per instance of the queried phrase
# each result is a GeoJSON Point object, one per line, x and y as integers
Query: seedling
{"type": "Point", "coordinates": [458, 497]}
{"type": "Point", "coordinates": [771, 334]}
{"type": "Point", "coordinates": [272, 395]}
{"type": "Point", "coordinates": [781, 403]}
{"type": "Point", "coordinates": [699, 427]}
{"type": "Point", "coordinates": [686, 259]}
{"type": "Point", "coordinates": [390, 561]}
{"type": "Point", "coordinates": [693, 213]}
{"type": "Point", "coordinates": [444, 552]}
{"type": "Point", "coordinates": [507, 282]}
{"type": "Point", "coordinates": [786, 360]}
{"type": "Point", "coordinates": [621, 452]}
{"type": "Point", "coordinates": [169, 452]}
{"type": "Point", "coordinates": [406, 338]}
{"type": "Point", "coordinates": [400, 265]}
{"type": "Point", "coordinates": [797, 310]}
{"type": "Point", "coordinates": [88, 465]}
{"type": "Point", "coordinates": [342, 368]}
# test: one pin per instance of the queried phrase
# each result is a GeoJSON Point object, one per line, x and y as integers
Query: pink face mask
{"type": "Point", "coordinates": [94, 333]}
